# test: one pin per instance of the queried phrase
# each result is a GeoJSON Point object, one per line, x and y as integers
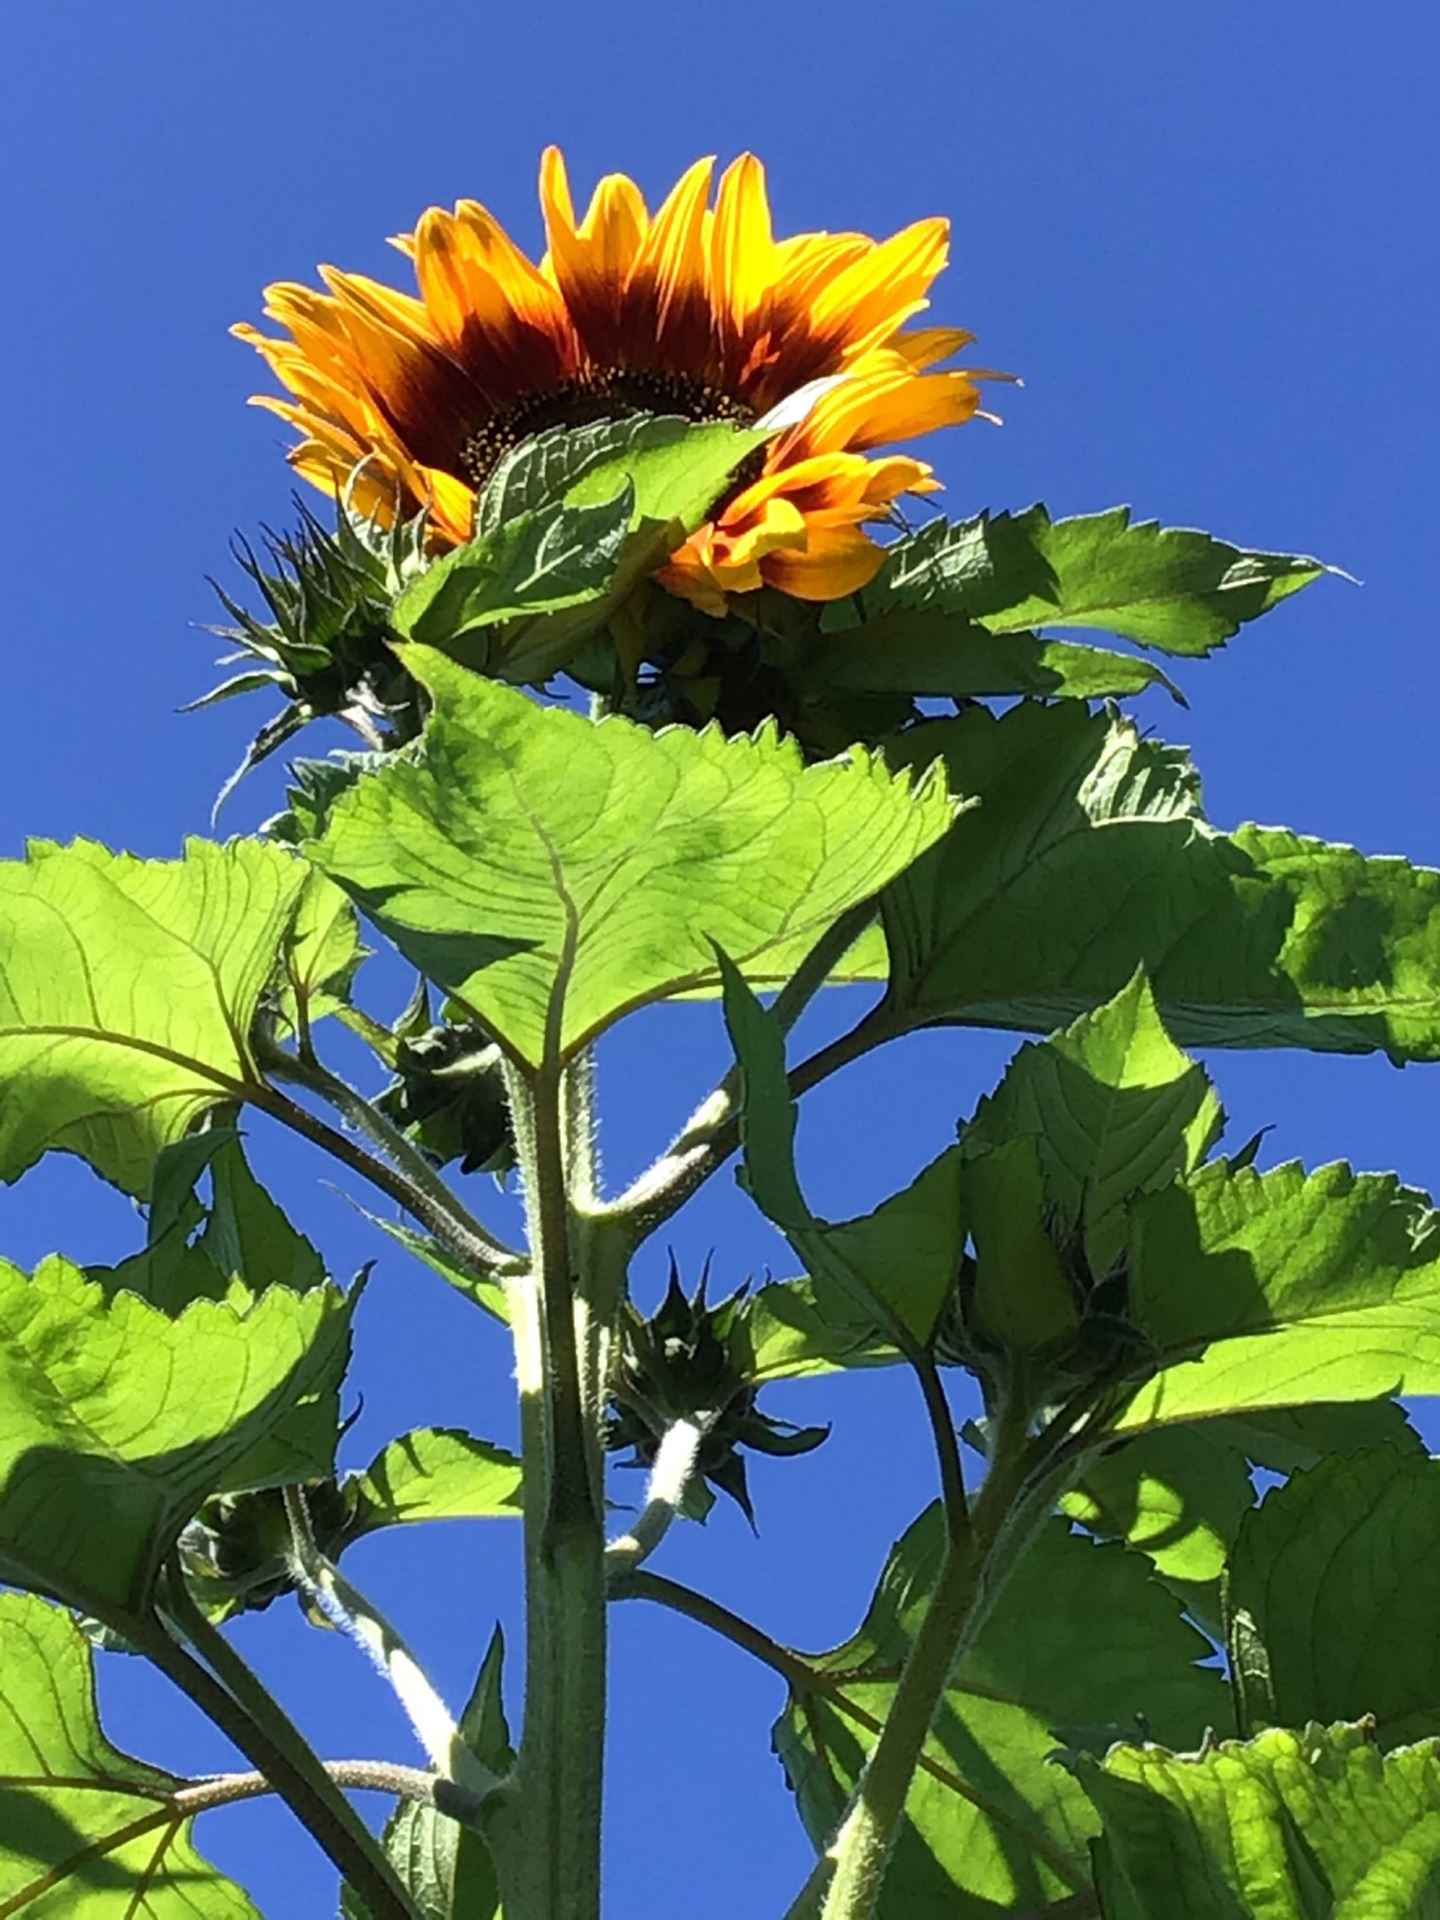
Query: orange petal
{"type": "Point", "coordinates": [669, 275]}
{"type": "Point", "coordinates": [836, 561]}
{"type": "Point", "coordinates": [886, 406]}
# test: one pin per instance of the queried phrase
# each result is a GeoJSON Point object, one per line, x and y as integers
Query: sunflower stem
{"type": "Point", "coordinates": [547, 1838]}
{"type": "Point", "coordinates": [847, 1879]}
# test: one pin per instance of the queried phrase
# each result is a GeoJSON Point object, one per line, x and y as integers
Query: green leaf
{"type": "Point", "coordinates": [900, 1260]}
{"type": "Point", "coordinates": [86, 1832]}
{"type": "Point", "coordinates": [1115, 1109]}
{"type": "Point", "coordinates": [322, 954]}
{"type": "Point", "coordinates": [1023, 1300]}
{"type": "Point", "coordinates": [670, 471]}
{"type": "Point", "coordinates": [539, 563]}
{"type": "Point", "coordinates": [794, 1329]}
{"type": "Point", "coordinates": [116, 1422]}
{"type": "Point", "coordinates": [1179, 1494]}
{"type": "Point", "coordinates": [1168, 587]}
{"type": "Point", "coordinates": [1338, 1575]}
{"type": "Point", "coordinates": [1080, 1642]}
{"type": "Point", "coordinates": [553, 873]}
{"type": "Point", "coordinates": [675, 468]}
{"type": "Point", "coordinates": [1315, 1825]}
{"type": "Point", "coordinates": [944, 655]}
{"type": "Point", "coordinates": [434, 1473]}
{"type": "Point", "coordinates": [128, 993]}
{"type": "Point", "coordinates": [246, 1243]}
{"type": "Point", "coordinates": [446, 1868]}
{"type": "Point", "coordinates": [1086, 857]}
{"type": "Point", "coordinates": [1283, 1288]}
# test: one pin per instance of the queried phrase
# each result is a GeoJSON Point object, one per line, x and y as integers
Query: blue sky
{"type": "Point", "coordinates": [1206, 239]}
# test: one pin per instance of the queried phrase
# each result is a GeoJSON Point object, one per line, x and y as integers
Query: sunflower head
{"type": "Point", "coordinates": [696, 310]}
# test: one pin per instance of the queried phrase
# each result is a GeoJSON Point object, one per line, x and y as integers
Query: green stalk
{"type": "Point", "coordinates": [239, 1704]}
{"type": "Point", "coordinates": [847, 1879]}
{"type": "Point", "coordinates": [548, 1838]}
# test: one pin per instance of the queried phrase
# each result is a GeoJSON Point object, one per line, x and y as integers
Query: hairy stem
{"type": "Point", "coordinates": [848, 1877]}
{"type": "Point", "coordinates": [671, 1474]}
{"type": "Point", "coordinates": [548, 1839]}
{"type": "Point", "coordinates": [405, 1174]}
{"type": "Point", "coordinates": [241, 1707]}
{"type": "Point", "coordinates": [712, 1133]}
{"type": "Point", "coordinates": [416, 1784]}
{"type": "Point", "coordinates": [361, 1621]}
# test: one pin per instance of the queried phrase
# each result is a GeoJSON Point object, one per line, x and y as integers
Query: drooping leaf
{"type": "Point", "coordinates": [675, 468]}
{"type": "Point", "coordinates": [1338, 1575]}
{"type": "Point", "coordinates": [902, 1258]}
{"type": "Point", "coordinates": [1081, 1646]}
{"type": "Point", "coordinates": [86, 1832]}
{"type": "Point", "coordinates": [537, 563]}
{"type": "Point", "coordinates": [322, 954]}
{"type": "Point", "coordinates": [117, 1421]}
{"type": "Point", "coordinates": [670, 471]}
{"type": "Point", "coordinates": [1179, 1494]}
{"type": "Point", "coordinates": [434, 1473]}
{"type": "Point", "coordinates": [1314, 1825]}
{"type": "Point", "coordinates": [1168, 587]}
{"type": "Point", "coordinates": [1086, 857]}
{"type": "Point", "coordinates": [1115, 1109]}
{"type": "Point", "coordinates": [553, 873]}
{"type": "Point", "coordinates": [245, 1245]}
{"type": "Point", "coordinates": [1277, 1289]}
{"type": "Point", "coordinates": [128, 992]}
{"type": "Point", "coordinates": [793, 1329]}
{"type": "Point", "coordinates": [445, 1867]}
{"type": "Point", "coordinates": [944, 655]}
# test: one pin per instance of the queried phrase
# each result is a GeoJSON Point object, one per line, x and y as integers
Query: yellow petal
{"type": "Point", "coordinates": [742, 248]}
{"type": "Point", "coordinates": [875, 295]}
{"type": "Point", "coordinates": [671, 263]}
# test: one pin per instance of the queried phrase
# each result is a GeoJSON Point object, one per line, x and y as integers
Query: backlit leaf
{"type": "Point", "coordinates": [1315, 1825]}
{"type": "Point", "coordinates": [553, 873]}
{"type": "Point", "coordinates": [86, 1832]}
{"type": "Point", "coordinates": [127, 995]}
{"type": "Point", "coordinates": [117, 1421]}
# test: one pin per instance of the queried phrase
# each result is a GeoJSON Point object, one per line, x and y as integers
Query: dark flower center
{"type": "Point", "coordinates": [601, 393]}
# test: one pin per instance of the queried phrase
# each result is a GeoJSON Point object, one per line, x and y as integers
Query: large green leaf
{"type": "Point", "coordinates": [434, 1473]}
{"type": "Point", "coordinates": [1283, 1288]}
{"type": "Point", "coordinates": [117, 1421]}
{"type": "Point", "coordinates": [902, 1258]}
{"type": "Point", "coordinates": [127, 995]}
{"type": "Point", "coordinates": [1338, 1573]}
{"type": "Point", "coordinates": [1179, 1494]}
{"type": "Point", "coordinates": [86, 1832]}
{"type": "Point", "coordinates": [1167, 587]}
{"type": "Point", "coordinates": [1087, 857]}
{"type": "Point", "coordinates": [1079, 1644]}
{"type": "Point", "coordinates": [553, 873]}
{"type": "Point", "coordinates": [446, 1868]}
{"type": "Point", "coordinates": [1115, 1108]}
{"type": "Point", "coordinates": [1315, 1825]}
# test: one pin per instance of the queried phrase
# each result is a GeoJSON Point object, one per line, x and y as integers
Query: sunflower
{"type": "Point", "coordinates": [696, 311]}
